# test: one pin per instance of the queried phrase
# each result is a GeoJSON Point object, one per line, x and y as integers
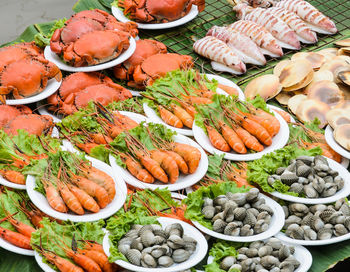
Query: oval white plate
{"type": "Point", "coordinates": [39, 259]}
{"type": "Point", "coordinates": [183, 181]}
{"type": "Point", "coordinates": [53, 57]}
{"type": "Point", "coordinates": [196, 257]}
{"type": "Point", "coordinates": [118, 13]}
{"type": "Point", "coordinates": [279, 109]}
{"type": "Point", "coordinates": [52, 86]}
{"type": "Point", "coordinates": [10, 247]}
{"type": "Point", "coordinates": [344, 192]}
{"type": "Point", "coordinates": [278, 141]}
{"type": "Point", "coordinates": [40, 201]}
{"type": "Point", "coordinates": [225, 81]}
{"type": "Point", "coordinates": [333, 143]}
{"type": "Point", "coordinates": [10, 184]}
{"type": "Point", "coordinates": [301, 254]}
{"type": "Point", "coordinates": [276, 224]}
{"type": "Point", "coordinates": [344, 162]}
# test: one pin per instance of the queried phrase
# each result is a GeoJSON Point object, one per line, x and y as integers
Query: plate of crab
{"type": "Point", "coordinates": [158, 158]}
{"type": "Point", "coordinates": [153, 14]}
{"type": "Point", "coordinates": [77, 188]}
{"type": "Point", "coordinates": [171, 100]}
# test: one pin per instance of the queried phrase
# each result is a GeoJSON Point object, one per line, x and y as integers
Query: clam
{"type": "Point", "coordinates": [342, 135]}
{"type": "Point", "coordinates": [315, 59]}
{"type": "Point", "coordinates": [165, 261]}
{"type": "Point", "coordinates": [267, 86]}
{"type": "Point", "coordinates": [344, 76]}
{"type": "Point", "coordinates": [180, 255]}
{"type": "Point", "coordinates": [133, 256]}
{"type": "Point", "coordinates": [279, 67]}
{"type": "Point", "coordinates": [310, 109]}
{"type": "Point", "coordinates": [295, 72]}
{"type": "Point", "coordinates": [337, 117]}
{"type": "Point", "coordinates": [295, 101]}
{"type": "Point", "coordinates": [325, 91]}
{"type": "Point", "coordinates": [342, 43]}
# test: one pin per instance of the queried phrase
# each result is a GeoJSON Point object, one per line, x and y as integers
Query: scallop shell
{"type": "Point", "coordinates": [300, 85]}
{"type": "Point", "coordinates": [315, 59]}
{"type": "Point", "coordinates": [343, 51]}
{"type": "Point", "coordinates": [295, 101]}
{"type": "Point", "coordinates": [345, 42]}
{"type": "Point", "coordinates": [325, 91]}
{"type": "Point", "coordinates": [310, 109]}
{"type": "Point", "coordinates": [280, 66]}
{"type": "Point", "coordinates": [295, 72]}
{"type": "Point", "coordinates": [328, 53]}
{"type": "Point", "coordinates": [267, 86]}
{"type": "Point", "coordinates": [344, 76]}
{"type": "Point", "coordinates": [336, 117]}
{"type": "Point", "coordinates": [339, 62]}
{"type": "Point", "coordinates": [283, 97]}
{"type": "Point", "coordinates": [342, 135]}
{"type": "Point", "coordinates": [322, 75]}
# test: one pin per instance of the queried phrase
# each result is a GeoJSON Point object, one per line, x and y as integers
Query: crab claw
{"type": "Point", "coordinates": [55, 43]}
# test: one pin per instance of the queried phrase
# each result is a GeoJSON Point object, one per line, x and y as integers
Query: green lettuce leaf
{"type": "Point", "coordinates": [219, 251]}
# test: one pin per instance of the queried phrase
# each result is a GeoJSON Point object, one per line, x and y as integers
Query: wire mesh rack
{"type": "Point", "coordinates": [219, 12]}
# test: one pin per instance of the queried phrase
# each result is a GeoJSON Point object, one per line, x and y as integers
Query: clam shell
{"type": "Point", "coordinates": [295, 101]}
{"type": "Point", "coordinates": [341, 43]}
{"type": "Point", "coordinates": [265, 208]}
{"type": "Point", "coordinates": [249, 219]}
{"type": "Point", "coordinates": [180, 255]}
{"type": "Point", "coordinates": [148, 260]}
{"type": "Point", "coordinates": [336, 117]}
{"type": "Point", "coordinates": [240, 213]}
{"type": "Point", "coordinates": [342, 135]}
{"type": "Point", "coordinates": [165, 261]}
{"type": "Point", "coordinates": [208, 212]}
{"type": "Point", "coordinates": [310, 109]}
{"type": "Point", "coordinates": [284, 252]}
{"type": "Point", "coordinates": [340, 229]}
{"type": "Point", "coordinates": [296, 188]}
{"type": "Point", "coordinates": [265, 250]}
{"type": "Point", "coordinates": [289, 177]}
{"type": "Point", "coordinates": [219, 225]}
{"type": "Point", "coordinates": [252, 195]}
{"type": "Point", "coordinates": [315, 59]}
{"type": "Point", "coordinates": [133, 256]}
{"type": "Point", "coordinates": [295, 72]}
{"type": "Point", "coordinates": [269, 261]}
{"type": "Point", "coordinates": [324, 233]}
{"type": "Point", "coordinates": [267, 86]}
{"type": "Point", "coordinates": [246, 231]}
{"type": "Point", "coordinates": [227, 262]}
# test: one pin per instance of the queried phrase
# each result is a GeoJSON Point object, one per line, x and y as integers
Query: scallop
{"type": "Point", "coordinates": [279, 67]}
{"type": "Point", "coordinates": [328, 53]}
{"type": "Point", "coordinates": [323, 75]}
{"type": "Point", "coordinates": [343, 105]}
{"type": "Point", "coordinates": [283, 97]}
{"type": "Point", "coordinates": [315, 59]}
{"type": "Point", "coordinates": [344, 51]}
{"type": "Point", "coordinates": [342, 135]}
{"type": "Point", "coordinates": [295, 72]}
{"type": "Point", "coordinates": [344, 76]}
{"type": "Point", "coordinates": [267, 86]}
{"type": "Point", "coordinates": [345, 42]}
{"type": "Point", "coordinates": [325, 91]}
{"type": "Point", "coordinates": [310, 109]}
{"type": "Point", "coordinates": [295, 101]}
{"type": "Point", "coordinates": [337, 117]}
{"type": "Point", "coordinates": [339, 62]}
{"type": "Point", "coordinates": [302, 84]}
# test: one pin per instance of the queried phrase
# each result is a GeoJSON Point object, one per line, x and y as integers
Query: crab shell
{"type": "Point", "coordinates": [155, 11]}
{"type": "Point", "coordinates": [144, 49]}
{"type": "Point", "coordinates": [7, 113]}
{"type": "Point", "coordinates": [27, 77]}
{"type": "Point", "coordinates": [32, 123]}
{"type": "Point", "coordinates": [84, 22]}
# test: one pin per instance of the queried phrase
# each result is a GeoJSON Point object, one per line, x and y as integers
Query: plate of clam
{"type": "Point", "coordinates": [173, 245]}
{"type": "Point", "coordinates": [242, 217]}
{"type": "Point", "coordinates": [315, 225]}
{"type": "Point", "coordinates": [312, 180]}
{"type": "Point", "coordinates": [268, 254]}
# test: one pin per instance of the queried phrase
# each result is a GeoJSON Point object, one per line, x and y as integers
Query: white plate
{"type": "Point", "coordinates": [53, 57]}
{"type": "Point", "coordinates": [301, 254]}
{"type": "Point", "coordinates": [52, 86]}
{"type": "Point", "coordinates": [39, 259]}
{"type": "Point", "coordinates": [118, 13]}
{"type": "Point", "coordinates": [196, 257]}
{"type": "Point", "coordinates": [292, 120]}
{"type": "Point", "coordinates": [154, 117]}
{"type": "Point", "coordinates": [10, 247]}
{"type": "Point", "coordinates": [40, 201]}
{"type": "Point", "coordinates": [344, 162]}
{"type": "Point", "coordinates": [333, 143]}
{"type": "Point", "coordinates": [276, 224]}
{"type": "Point", "coordinates": [183, 181]}
{"type": "Point", "coordinates": [10, 184]}
{"type": "Point", "coordinates": [344, 192]}
{"type": "Point", "coordinates": [278, 141]}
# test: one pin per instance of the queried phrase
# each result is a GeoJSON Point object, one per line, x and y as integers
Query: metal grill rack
{"type": "Point", "coordinates": [219, 12]}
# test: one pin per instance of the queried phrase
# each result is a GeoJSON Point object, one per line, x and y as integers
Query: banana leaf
{"type": "Point", "coordinates": [12, 262]}
{"type": "Point", "coordinates": [91, 4]}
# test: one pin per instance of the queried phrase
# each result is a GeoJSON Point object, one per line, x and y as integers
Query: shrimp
{"type": "Point", "coordinates": [183, 115]}
{"type": "Point", "coordinates": [98, 257]}
{"type": "Point", "coordinates": [188, 108]}
{"type": "Point", "coordinates": [92, 245]}
{"type": "Point", "coordinates": [22, 228]}
{"type": "Point", "coordinates": [136, 169]}
{"type": "Point", "coordinates": [62, 264]}
{"type": "Point", "coordinates": [285, 115]}
{"type": "Point", "coordinates": [70, 199]}
{"type": "Point", "coordinates": [86, 147]}
{"type": "Point", "coordinates": [53, 197]}
{"type": "Point", "coordinates": [92, 189]}
{"type": "Point", "coordinates": [35, 216]}
{"type": "Point", "coordinates": [85, 262]}
{"type": "Point", "coordinates": [181, 164]}
{"type": "Point", "coordinates": [124, 120]}
{"type": "Point", "coordinates": [228, 89]}
{"type": "Point", "coordinates": [15, 238]}
{"type": "Point", "coordinates": [167, 163]}
{"type": "Point", "coordinates": [217, 140]}
{"type": "Point", "coordinates": [152, 166]}
{"type": "Point", "coordinates": [232, 138]}
{"type": "Point", "coordinates": [100, 138]}
{"type": "Point", "coordinates": [169, 118]}
{"type": "Point", "coordinates": [190, 154]}
{"type": "Point", "coordinates": [268, 121]}
{"type": "Point", "coordinates": [249, 140]}
{"type": "Point", "coordinates": [197, 99]}
{"type": "Point", "coordinates": [13, 176]}
{"type": "Point", "coordinates": [85, 200]}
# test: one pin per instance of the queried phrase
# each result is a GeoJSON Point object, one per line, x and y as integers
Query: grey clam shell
{"type": "Point", "coordinates": [165, 261]}
{"type": "Point", "coordinates": [133, 256]}
{"type": "Point", "coordinates": [180, 255]}
{"type": "Point", "coordinates": [227, 262]}
{"type": "Point", "coordinates": [289, 177]}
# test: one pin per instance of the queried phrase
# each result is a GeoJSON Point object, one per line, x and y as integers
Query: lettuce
{"type": "Point", "coordinates": [43, 39]}
{"type": "Point", "coordinates": [132, 104]}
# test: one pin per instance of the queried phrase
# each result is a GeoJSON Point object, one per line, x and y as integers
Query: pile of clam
{"type": "Point", "coordinates": [338, 118]}
{"type": "Point", "coordinates": [239, 214]}
{"type": "Point", "coordinates": [309, 176]}
{"type": "Point", "coordinates": [317, 222]}
{"type": "Point", "coordinates": [262, 257]}
{"type": "Point", "coordinates": [152, 246]}
{"type": "Point", "coordinates": [310, 83]}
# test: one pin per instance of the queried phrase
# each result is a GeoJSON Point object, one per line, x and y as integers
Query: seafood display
{"type": "Point", "coordinates": [239, 214]}
{"type": "Point", "coordinates": [152, 246]}
{"type": "Point", "coordinates": [317, 222]}
{"type": "Point", "coordinates": [309, 176]}
{"type": "Point", "coordinates": [338, 119]}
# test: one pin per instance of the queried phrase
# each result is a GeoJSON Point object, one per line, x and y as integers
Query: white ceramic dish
{"type": "Point", "coordinates": [225, 81]}
{"type": "Point", "coordinates": [276, 224]}
{"type": "Point", "coordinates": [53, 57]}
{"type": "Point", "coordinates": [52, 86]}
{"type": "Point", "coordinates": [15, 249]}
{"type": "Point", "coordinates": [333, 143]}
{"type": "Point", "coordinates": [118, 13]}
{"type": "Point", "coordinates": [344, 192]}
{"type": "Point", "coordinates": [183, 181]}
{"type": "Point", "coordinates": [344, 162]}
{"type": "Point", "coordinates": [10, 184]}
{"type": "Point", "coordinates": [279, 109]}
{"type": "Point", "coordinates": [301, 254]}
{"type": "Point", "coordinates": [40, 201]}
{"type": "Point", "coordinates": [39, 259]}
{"type": "Point", "coordinates": [278, 142]}
{"type": "Point", "coordinates": [196, 257]}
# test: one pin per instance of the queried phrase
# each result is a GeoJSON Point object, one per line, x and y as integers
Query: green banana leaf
{"type": "Point", "coordinates": [12, 262]}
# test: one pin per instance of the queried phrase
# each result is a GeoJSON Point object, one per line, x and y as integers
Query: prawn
{"type": "Point", "coordinates": [190, 154]}
{"type": "Point", "coordinates": [70, 199]}
{"type": "Point", "coordinates": [21, 227]}
{"type": "Point", "coordinates": [228, 89]}
{"type": "Point", "coordinates": [232, 138]}
{"type": "Point", "coordinates": [84, 199]}
{"type": "Point", "coordinates": [216, 139]}
{"type": "Point", "coordinates": [167, 163]}
{"type": "Point", "coordinates": [53, 197]}
{"type": "Point", "coordinates": [98, 257]}
{"type": "Point", "coordinates": [183, 115]}
{"type": "Point", "coordinates": [169, 118]}
{"type": "Point", "coordinates": [136, 169]}
{"type": "Point", "coordinates": [13, 176]}
{"type": "Point", "coordinates": [268, 121]}
{"type": "Point", "coordinates": [14, 238]}
{"type": "Point", "coordinates": [86, 147]}
{"type": "Point", "coordinates": [181, 164]}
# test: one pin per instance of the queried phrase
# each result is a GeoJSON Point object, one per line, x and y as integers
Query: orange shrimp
{"type": "Point", "coordinates": [53, 197]}
{"type": "Point", "coordinates": [228, 89]}
{"type": "Point", "coordinates": [100, 138]}
{"type": "Point", "coordinates": [62, 264]}
{"type": "Point", "coordinates": [34, 215]}
{"type": "Point", "coordinates": [98, 257]}
{"type": "Point", "coordinates": [183, 115]}
{"type": "Point", "coordinates": [167, 163]}
{"type": "Point", "coordinates": [197, 99]}
{"type": "Point", "coordinates": [92, 189]}
{"type": "Point", "coordinates": [13, 176]}
{"type": "Point", "coordinates": [249, 140]}
{"type": "Point", "coordinates": [85, 262]}
{"type": "Point", "coordinates": [84, 199]}
{"type": "Point", "coordinates": [269, 122]}
{"type": "Point", "coordinates": [152, 166]}
{"type": "Point", "coordinates": [285, 115]}
{"type": "Point", "coordinates": [181, 164]}
{"type": "Point", "coordinates": [136, 169]}
{"type": "Point", "coordinates": [169, 118]}
{"type": "Point", "coordinates": [188, 107]}
{"type": "Point", "coordinates": [70, 199]}
{"type": "Point", "coordinates": [94, 246]}
{"type": "Point", "coordinates": [86, 147]}
{"type": "Point", "coordinates": [21, 227]}
{"type": "Point", "coordinates": [125, 121]}
{"type": "Point", "coordinates": [190, 154]}
{"type": "Point", "coordinates": [232, 138]}
{"type": "Point", "coordinates": [217, 140]}
{"type": "Point", "coordinates": [15, 238]}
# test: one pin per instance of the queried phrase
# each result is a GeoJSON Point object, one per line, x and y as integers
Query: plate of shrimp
{"type": "Point", "coordinates": [95, 192]}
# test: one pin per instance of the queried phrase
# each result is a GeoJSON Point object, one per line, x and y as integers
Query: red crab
{"type": "Point", "coordinates": [78, 89]}
{"type": "Point", "coordinates": [32, 123]}
{"type": "Point", "coordinates": [144, 49]}
{"type": "Point", "coordinates": [8, 113]}
{"type": "Point", "coordinates": [156, 11]}
{"type": "Point", "coordinates": [84, 22]}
